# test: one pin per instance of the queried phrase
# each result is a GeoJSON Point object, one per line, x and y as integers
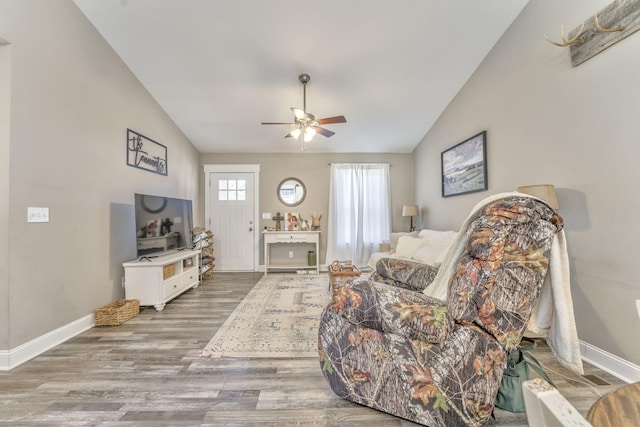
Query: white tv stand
{"type": "Point", "coordinates": [157, 280]}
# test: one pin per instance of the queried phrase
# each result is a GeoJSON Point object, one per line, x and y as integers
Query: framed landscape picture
{"type": "Point", "coordinates": [464, 166]}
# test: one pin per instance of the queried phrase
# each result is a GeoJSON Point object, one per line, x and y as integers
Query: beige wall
{"type": "Point", "coordinates": [314, 171]}
{"type": "Point", "coordinates": [72, 100]}
{"type": "Point", "coordinates": [577, 128]}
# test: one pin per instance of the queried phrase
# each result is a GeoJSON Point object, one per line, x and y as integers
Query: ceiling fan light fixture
{"type": "Point", "coordinates": [309, 133]}
{"type": "Point", "coordinates": [296, 133]}
{"type": "Point", "coordinates": [300, 114]}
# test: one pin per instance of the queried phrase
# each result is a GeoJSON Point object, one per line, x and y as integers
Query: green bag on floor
{"type": "Point", "coordinates": [510, 397]}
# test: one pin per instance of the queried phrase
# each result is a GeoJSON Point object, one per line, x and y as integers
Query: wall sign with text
{"type": "Point", "coordinates": [145, 153]}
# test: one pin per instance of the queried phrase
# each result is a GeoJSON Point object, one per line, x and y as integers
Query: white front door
{"type": "Point", "coordinates": [231, 213]}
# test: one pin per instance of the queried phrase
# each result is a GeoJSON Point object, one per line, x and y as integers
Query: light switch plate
{"type": "Point", "coordinates": [266, 215]}
{"type": "Point", "coordinates": [37, 214]}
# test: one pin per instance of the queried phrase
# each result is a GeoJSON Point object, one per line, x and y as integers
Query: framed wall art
{"type": "Point", "coordinates": [464, 166]}
{"type": "Point", "coordinates": [145, 153]}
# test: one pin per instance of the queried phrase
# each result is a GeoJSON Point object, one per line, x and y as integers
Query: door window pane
{"type": "Point", "coordinates": [232, 189]}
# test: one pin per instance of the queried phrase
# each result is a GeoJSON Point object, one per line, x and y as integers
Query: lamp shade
{"type": "Point", "coordinates": [410, 210]}
{"type": "Point", "coordinates": [546, 192]}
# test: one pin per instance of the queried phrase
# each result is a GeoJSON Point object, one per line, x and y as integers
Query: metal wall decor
{"type": "Point", "coordinates": [464, 166]}
{"type": "Point", "coordinates": [145, 153]}
{"type": "Point", "coordinates": [615, 22]}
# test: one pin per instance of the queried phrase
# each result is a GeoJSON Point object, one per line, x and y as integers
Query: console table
{"type": "Point", "coordinates": [287, 238]}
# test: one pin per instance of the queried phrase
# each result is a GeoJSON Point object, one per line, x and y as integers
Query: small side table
{"type": "Point", "coordinates": [341, 273]}
{"type": "Point", "coordinates": [620, 408]}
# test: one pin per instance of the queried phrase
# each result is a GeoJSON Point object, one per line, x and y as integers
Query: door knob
{"type": "Point", "coordinates": [250, 228]}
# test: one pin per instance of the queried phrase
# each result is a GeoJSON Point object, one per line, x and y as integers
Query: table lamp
{"type": "Point", "coordinates": [410, 211]}
{"type": "Point", "coordinates": [546, 192]}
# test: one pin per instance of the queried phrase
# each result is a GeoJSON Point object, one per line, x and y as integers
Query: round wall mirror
{"type": "Point", "coordinates": [291, 191]}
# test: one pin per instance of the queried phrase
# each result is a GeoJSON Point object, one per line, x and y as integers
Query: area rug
{"type": "Point", "coordinates": [278, 318]}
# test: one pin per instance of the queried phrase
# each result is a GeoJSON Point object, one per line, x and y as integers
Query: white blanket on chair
{"type": "Point", "coordinates": [552, 316]}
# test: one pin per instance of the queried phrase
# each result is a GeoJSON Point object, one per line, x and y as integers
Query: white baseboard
{"type": "Point", "coordinates": [9, 359]}
{"type": "Point", "coordinates": [610, 363]}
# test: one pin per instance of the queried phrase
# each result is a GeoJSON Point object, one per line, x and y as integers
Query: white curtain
{"type": "Point", "coordinates": [359, 211]}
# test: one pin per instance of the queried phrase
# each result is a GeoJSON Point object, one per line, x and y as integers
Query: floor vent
{"type": "Point", "coordinates": [596, 380]}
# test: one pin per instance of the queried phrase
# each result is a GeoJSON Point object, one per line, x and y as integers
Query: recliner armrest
{"type": "Point", "coordinates": [403, 312]}
{"type": "Point", "coordinates": [407, 274]}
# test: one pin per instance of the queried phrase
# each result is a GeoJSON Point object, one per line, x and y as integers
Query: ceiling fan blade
{"type": "Point", "coordinates": [336, 119]}
{"type": "Point", "coordinates": [323, 131]}
{"type": "Point", "coordinates": [276, 123]}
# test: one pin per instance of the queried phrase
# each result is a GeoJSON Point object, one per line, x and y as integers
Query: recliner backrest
{"type": "Point", "coordinates": [499, 274]}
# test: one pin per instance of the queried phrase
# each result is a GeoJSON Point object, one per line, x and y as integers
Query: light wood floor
{"type": "Point", "coordinates": [147, 372]}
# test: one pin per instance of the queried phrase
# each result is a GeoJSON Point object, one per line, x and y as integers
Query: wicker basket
{"type": "Point", "coordinates": [117, 312]}
{"type": "Point", "coordinates": [168, 271]}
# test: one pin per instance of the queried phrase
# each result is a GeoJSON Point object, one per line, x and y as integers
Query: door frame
{"type": "Point", "coordinates": [239, 168]}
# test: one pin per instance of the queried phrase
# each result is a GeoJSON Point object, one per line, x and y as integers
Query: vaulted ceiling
{"type": "Point", "coordinates": [221, 67]}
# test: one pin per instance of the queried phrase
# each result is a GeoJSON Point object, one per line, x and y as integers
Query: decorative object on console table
{"type": "Point", "coordinates": [292, 221]}
{"type": "Point", "coordinates": [315, 224]}
{"type": "Point", "coordinates": [341, 273]}
{"type": "Point", "coordinates": [410, 211]}
{"type": "Point", "coordinates": [464, 166]}
{"type": "Point", "coordinates": [278, 219]}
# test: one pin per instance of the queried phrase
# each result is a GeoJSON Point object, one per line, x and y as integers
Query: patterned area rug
{"type": "Point", "coordinates": [278, 318]}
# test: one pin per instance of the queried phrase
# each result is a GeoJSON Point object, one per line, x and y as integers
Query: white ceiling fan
{"type": "Point", "coordinates": [306, 123]}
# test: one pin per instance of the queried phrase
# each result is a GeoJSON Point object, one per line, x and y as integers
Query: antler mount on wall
{"type": "Point", "coordinates": [616, 21]}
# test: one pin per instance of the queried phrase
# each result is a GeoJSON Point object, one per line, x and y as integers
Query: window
{"type": "Point", "coordinates": [359, 211]}
{"type": "Point", "coordinates": [232, 189]}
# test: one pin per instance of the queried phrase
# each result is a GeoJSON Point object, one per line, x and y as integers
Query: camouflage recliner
{"type": "Point", "coordinates": [436, 362]}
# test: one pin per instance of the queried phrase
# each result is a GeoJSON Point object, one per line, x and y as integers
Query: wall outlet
{"type": "Point", "coordinates": [290, 254]}
{"type": "Point", "coordinates": [266, 215]}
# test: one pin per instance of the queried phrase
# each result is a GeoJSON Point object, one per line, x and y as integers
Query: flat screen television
{"type": "Point", "coordinates": [163, 225]}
